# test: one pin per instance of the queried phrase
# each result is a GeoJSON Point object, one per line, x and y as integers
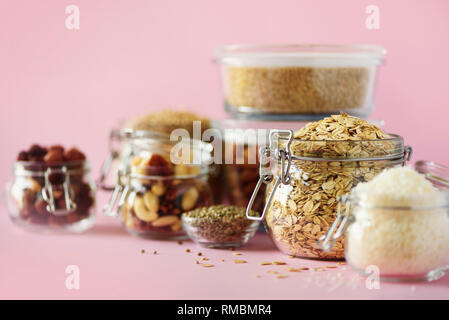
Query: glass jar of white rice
{"type": "Point", "coordinates": [396, 225]}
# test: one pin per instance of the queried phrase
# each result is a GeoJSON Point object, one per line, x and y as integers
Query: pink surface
{"type": "Point", "coordinates": [112, 267]}
{"type": "Point", "coordinates": [133, 56]}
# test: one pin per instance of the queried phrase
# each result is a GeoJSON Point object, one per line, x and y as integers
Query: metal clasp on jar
{"type": "Point", "coordinates": [118, 197]}
{"type": "Point", "coordinates": [266, 176]}
{"type": "Point", "coordinates": [48, 196]}
{"type": "Point", "coordinates": [113, 155]}
{"type": "Point", "coordinates": [340, 225]}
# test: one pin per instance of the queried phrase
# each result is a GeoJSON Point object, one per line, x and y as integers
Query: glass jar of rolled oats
{"type": "Point", "coordinates": [162, 180]}
{"type": "Point", "coordinates": [308, 170]}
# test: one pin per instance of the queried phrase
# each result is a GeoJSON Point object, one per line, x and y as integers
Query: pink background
{"type": "Point", "coordinates": [134, 56]}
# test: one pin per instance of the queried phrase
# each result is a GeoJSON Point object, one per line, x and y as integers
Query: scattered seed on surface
{"type": "Point", "coordinates": [179, 242]}
{"type": "Point", "coordinates": [341, 263]}
{"type": "Point", "coordinates": [155, 252]}
{"type": "Point", "coordinates": [267, 263]}
{"type": "Point", "coordinates": [142, 251]}
{"type": "Point", "coordinates": [208, 265]}
{"type": "Point", "coordinates": [222, 260]}
{"type": "Point", "coordinates": [237, 253]}
{"type": "Point", "coordinates": [240, 261]}
{"type": "Point", "coordinates": [272, 272]}
{"type": "Point", "coordinates": [281, 276]}
{"type": "Point", "coordinates": [331, 267]}
{"type": "Point", "coordinates": [279, 263]}
{"type": "Point", "coordinates": [199, 254]}
{"type": "Point", "coordinates": [304, 268]}
{"type": "Point", "coordinates": [187, 250]}
{"type": "Point", "coordinates": [293, 269]}
{"type": "Point", "coordinates": [205, 259]}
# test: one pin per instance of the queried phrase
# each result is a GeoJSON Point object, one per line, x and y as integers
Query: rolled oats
{"type": "Point", "coordinates": [297, 221]}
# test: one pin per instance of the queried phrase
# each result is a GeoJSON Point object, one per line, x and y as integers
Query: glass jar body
{"type": "Point", "coordinates": [400, 244]}
{"type": "Point", "coordinates": [302, 211]}
{"type": "Point", "coordinates": [124, 144]}
{"type": "Point", "coordinates": [301, 82]}
{"type": "Point", "coordinates": [162, 180]}
{"type": "Point", "coordinates": [63, 201]}
{"type": "Point", "coordinates": [153, 206]}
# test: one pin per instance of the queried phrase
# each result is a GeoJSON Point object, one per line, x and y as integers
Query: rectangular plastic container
{"type": "Point", "coordinates": [298, 82]}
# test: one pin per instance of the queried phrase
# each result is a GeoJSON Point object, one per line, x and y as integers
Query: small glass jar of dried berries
{"type": "Point", "coordinates": [162, 180]}
{"type": "Point", "coordinates": [51, 190]}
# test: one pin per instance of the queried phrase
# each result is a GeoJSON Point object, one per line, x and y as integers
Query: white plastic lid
{"type": "Point", "coordinates": [317, 55]}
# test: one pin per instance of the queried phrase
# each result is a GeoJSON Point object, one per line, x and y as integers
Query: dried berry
{"type": "Point", "coordinates": [36, 153]}
{"type": "Point", "coordinates": [53, 157]}
{"type": "Point", "coordinates": [56, 178]}
{"type": "Point", "coordinates": [57, 148]}
{"type": "Point", "coordinates": [74, 154]}
{"type": "Point", "coordinates": [158, 166]}
{"type": "Point", "coordinates": [23, 156]}
{"type": "Point", "coordinates": [41, 207]}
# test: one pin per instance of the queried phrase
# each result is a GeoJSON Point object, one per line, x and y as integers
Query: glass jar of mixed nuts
{"type": "Point", "coordinates": [153, 191]}
{"type": "Point", "coordinates": [306, 171]}
{"type": "Point", "coordinates": [51, 190]}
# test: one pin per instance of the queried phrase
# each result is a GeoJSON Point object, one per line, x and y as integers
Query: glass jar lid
{"type": "Point", "coordinates": [341, 150]}
{"type": "Point", "coordinates": [39, 169]}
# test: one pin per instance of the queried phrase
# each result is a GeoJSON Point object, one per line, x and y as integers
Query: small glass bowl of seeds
{"type": "Point", "coordinates": [219, 226]}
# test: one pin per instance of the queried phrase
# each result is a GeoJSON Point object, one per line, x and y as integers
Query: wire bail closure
{"type": "Point", "coordinates": [113, 155]}
{"type": "Point", "coordinates": [118, 197]}
{"type": "Point", "coordinates": [266, 176]}
{"type": "Point", "coordinates": [48, 196]}
{"type": "Point", "coordinates": [339, 226]}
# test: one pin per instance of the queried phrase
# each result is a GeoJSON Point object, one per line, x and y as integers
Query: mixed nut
{"type": "Point", "coordinates": [51, 187]}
